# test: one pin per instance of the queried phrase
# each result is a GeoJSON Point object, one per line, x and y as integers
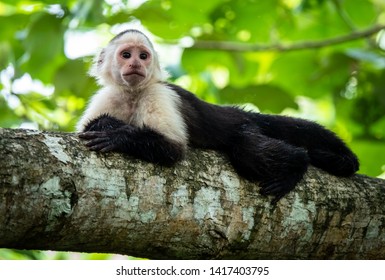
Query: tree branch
{"type": "Point", "coordinates": [248, 47]}
{"type": "Point", "coordinates": [57, 195]}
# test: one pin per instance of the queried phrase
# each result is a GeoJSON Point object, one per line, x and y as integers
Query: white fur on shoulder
{"type": "Point", "coordinates": [157, 107]}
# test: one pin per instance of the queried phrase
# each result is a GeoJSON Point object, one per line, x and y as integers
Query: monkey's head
{"type": "Point", "coordinates": [129, 61]}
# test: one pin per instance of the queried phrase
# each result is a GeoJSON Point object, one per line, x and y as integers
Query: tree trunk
{"type": "Point", "coordinates": [57, 195]}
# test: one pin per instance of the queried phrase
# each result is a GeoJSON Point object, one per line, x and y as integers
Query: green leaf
{"type": "Point", "coordinates": [369, 105]}
{"type": "Point", "coordinates": [89, 13]}
{"type": "Point", "coordinates": [320, 21]}
{"type": "Point", "coordinates": [295, 72]}
{"type": "Point", "coordinates": [194, 61]}
{"type": "Point", "coordinates": [44, 46]}
{"type": "Point", "coordinates": [14, 24]}
{"type": "Point", "coordinates": [265, 97]}
{"type": "Point", "coordinates": [333, 73]}
{"type": "Point", "coordinates": [6, 55]}
{"type": "Point", "coordinates": [245, 20]}
{"type": "Point", "coordinates": [241, 70]}
{"type": "Point", "coordinates": [8, 118]}
{"type": "Point", "coordinates": [369, 154]}
{"type": "Point", "coordinates": [71, 78]}
{"type": "Point", "coordinates": [173, 19]}
{"type": "Point", "coordinates": [361, 12]}
{"type": "Point", "coordinates": [311, 4]}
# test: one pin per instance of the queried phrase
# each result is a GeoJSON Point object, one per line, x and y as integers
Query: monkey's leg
{"type": "Point", "coordinates": [278, 166]}
{"type": "Point", "coordinates": [143, 143]}
{"type": "Point", "coordinates": [325, 149]}
{"type": "Point", "coordinates": [335, 162]}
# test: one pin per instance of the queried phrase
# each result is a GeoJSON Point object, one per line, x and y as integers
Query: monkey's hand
{"type": "Point", "coordinates": [143, 143]}
{"type": "Point", "coordinates": [98, 140]}
{"type": "Point", "coordinates": [103, 123]}
{"type": "Point", "coordinates": [104, 141]}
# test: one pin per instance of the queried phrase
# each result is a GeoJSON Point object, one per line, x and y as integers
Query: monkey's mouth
{"type": "Point", "coordinates": [133, 73]}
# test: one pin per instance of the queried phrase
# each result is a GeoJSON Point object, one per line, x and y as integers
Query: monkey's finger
{"type": "Point", "coordinates": [108, 148]}
{"type": "Point", "coordinates": [272, 188]}
{"type": "Point", "coordinates": [92, 135]}
{"type": "Point", "coordinates": [277, 198]}
{"type": "Point", "coordinates": [98, 142]}
{"type": "Point", "coordinates": [103, 147]}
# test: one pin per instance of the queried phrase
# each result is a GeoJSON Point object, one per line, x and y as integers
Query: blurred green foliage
{"type": "Point", "coordinates": [44, 82]}
{"type": "Point", "coordinates": [8, 254]}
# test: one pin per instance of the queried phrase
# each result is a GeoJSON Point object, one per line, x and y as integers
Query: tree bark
{"type": "Point", "coordinates": [57, 195]}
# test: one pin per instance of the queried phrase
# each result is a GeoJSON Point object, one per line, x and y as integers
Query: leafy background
{"type": "Point", "coordinates": [46, 48]}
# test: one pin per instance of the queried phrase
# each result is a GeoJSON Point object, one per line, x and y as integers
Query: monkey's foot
{"type": "Point", "coordinates": [279, 186]}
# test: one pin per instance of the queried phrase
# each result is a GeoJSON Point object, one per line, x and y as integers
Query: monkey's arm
{"type": "Point", "coordinates": [107, 134]}
{"type": "Point", "coordinates": [103, 122]}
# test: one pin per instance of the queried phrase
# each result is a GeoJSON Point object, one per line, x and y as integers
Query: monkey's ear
{"type": "Point", "coordinates": [100, 59]}
{"type": "Point", "coordinates": [95, 70]}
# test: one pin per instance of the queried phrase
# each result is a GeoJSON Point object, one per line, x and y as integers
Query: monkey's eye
{"type": "Point", "coordinates": [143, 56]}
{"type": "Point", "coordinates": [126, 55]}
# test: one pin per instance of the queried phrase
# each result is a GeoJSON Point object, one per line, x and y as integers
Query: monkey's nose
{"type": "Point", "coordinates": [134, 65]}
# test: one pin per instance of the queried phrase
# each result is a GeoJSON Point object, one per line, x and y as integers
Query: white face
{"type": "Point", "coordinates": [129, 61]}
{"type": "Point", "coordinates": [133, 62]}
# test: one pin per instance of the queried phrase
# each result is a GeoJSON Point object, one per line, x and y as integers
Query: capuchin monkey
{"type": "Point", "coordinates": [137, 112]}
